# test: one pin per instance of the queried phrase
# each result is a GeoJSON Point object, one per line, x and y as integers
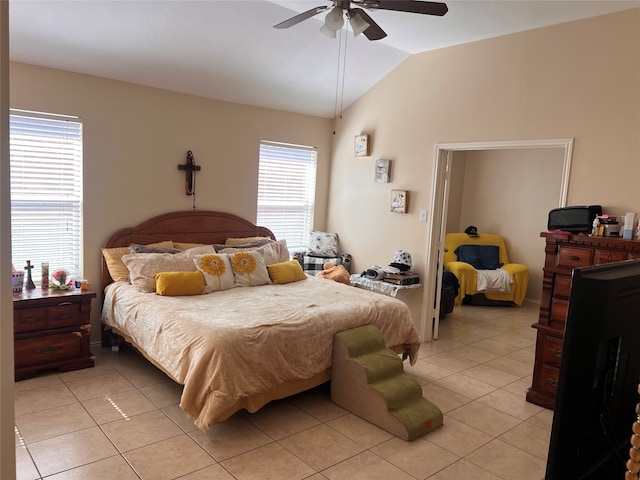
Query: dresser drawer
{"type": "Point", "coordinates": [551, 350]}
{"type": "Point", "coordinates": [44, 350]}
{"type": "Point", "coordinates": [608, 256]}
{"type": "Point", "coordinates": [558, 315]}
{"type": "Point", "coordinates": [548, 381]}
{"type": "Point", "coordinates": [562, 286]}
{"type": "Point", "coordinates": [64, 315]}
{"type": "Point", "coordinates": [572, 257]}
{"type": "Point", "coordinates": [29, 320]}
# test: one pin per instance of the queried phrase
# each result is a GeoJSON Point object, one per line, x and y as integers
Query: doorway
{"type": "Point", "coordinates": [444, 157]}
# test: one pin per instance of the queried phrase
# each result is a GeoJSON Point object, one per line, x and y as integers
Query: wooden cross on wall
{"type": "Point", "coordinates": [190, 168]}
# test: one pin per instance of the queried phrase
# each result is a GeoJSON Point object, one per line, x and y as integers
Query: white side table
{"type": "Point", "coordinates": [379, 286]}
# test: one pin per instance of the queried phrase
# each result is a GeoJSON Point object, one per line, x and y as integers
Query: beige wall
{"type": "Point", "coordinates": [579, 80]}
{"type": "Point", "coordinates": [134, 138]}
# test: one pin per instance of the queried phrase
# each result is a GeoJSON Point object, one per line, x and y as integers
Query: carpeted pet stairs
{"type": "Point", "coordinates": [368, 380]}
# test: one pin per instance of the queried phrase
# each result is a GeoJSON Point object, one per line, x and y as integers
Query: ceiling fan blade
{"type": "Point", "coordinates": [300, 17]}
{"type": "Point", "coordinates": [411, 6]}
{"type": "Point", "coordinates": [374, 32]}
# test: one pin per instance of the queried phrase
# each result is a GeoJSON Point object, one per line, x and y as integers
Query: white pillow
{"type": "Point", "coordinates": [273, 252]}
{"type": "Point", "coordinates": [217, 271]}
{"type": "Point", "coordinates": [143, 266]}
{"type": "Point", "coordinates": [249, 269]}
{"type": "Point", "coordinates": [323, 244]}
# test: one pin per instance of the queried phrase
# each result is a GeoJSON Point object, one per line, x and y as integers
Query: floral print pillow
{"type": "Point", "coordinates": [323, 244]}
{"type": "Point", "coordinates": [217, 271]}
{"type": "Point", "coordinates": [249, 269]}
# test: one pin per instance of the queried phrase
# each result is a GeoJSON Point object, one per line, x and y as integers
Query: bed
{"type": "Point", "coordinates": [241, 347]}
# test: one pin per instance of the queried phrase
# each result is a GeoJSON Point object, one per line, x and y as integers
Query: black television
{"type": "Point", "coordinates": [599, 374]}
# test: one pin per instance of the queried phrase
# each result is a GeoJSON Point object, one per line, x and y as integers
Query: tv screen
{"type": "Point", "coordinates": [599, 374]}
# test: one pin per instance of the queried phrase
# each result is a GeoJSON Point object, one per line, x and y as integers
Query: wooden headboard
{"type": "Point", "coordinates": [190, 226]}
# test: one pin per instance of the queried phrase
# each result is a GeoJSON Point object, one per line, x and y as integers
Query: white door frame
{"type": "Point", "coordinates": [443, 155]}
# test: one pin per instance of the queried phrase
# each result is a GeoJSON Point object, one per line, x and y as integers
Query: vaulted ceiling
{"type": "Point", "coordinates": [229, 50]}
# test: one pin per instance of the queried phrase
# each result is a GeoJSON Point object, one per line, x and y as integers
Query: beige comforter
{"type": "Point", "coordinates": [240, 342]}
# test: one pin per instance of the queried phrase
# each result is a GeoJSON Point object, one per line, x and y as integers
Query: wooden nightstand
{"type": "Point", "coordinates": [51, 330]}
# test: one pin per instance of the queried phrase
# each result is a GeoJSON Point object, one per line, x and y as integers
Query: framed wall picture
{"type": "Point", "coordinates": [361, 146]}
{"type": "Point", "coordinates": [382, 172]}
{"type": "Point", "coordinates": [399, 201]}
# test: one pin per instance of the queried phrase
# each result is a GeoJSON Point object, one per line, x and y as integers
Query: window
{"type": "Point", "coordinates": [286, 191]}
{"type": "Point", "coordinates": [46, 192]}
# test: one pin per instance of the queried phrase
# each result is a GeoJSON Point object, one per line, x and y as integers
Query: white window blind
{"type": "Point", "coordinates": [46, 192]}
{"type": "Point", "coordinates": [286, 191]}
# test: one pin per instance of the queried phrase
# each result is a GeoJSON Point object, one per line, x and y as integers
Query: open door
{"type": "Point", "coordinates": [439, 203]}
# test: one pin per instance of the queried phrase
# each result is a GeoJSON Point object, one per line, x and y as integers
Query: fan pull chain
{"type": "Point", "coordinates": [633, 464]}
{"type": "Point", "coordinates": [335, 104]}
{"type": "Point", "coordinates": [342, 52]}
{"type": "Point", "coordinates": [344, 71]}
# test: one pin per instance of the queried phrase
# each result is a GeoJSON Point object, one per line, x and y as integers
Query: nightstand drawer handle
{"type": "Point", "coordinates": [65, 304]}
{"type": "Point", "coordinates": [49, 350]}
{"type": "Point", "coordinates": [555, 352]}
{"type": "Point", "coordinates": [64, 316]}
{"type": "Point", "coordinates": [30, 320]}
{"type": "Point", "coordinates": [574, 258]}
{"type": "Point", "coordinates": [553, 381]}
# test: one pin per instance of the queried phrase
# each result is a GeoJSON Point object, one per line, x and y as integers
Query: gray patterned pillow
{"type": "Point", "coordinates": [137, 248]}
{"type": "Point", "coordinates": [323, 244]}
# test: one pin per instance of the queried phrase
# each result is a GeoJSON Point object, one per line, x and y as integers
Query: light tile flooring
{"type": "Point", "coordinates": [121, 420]}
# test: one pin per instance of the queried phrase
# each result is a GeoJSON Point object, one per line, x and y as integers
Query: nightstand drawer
{"type": "Point", "coordinates": [65, 314]}
{"type": "Point", "coordinates": [29, 320]}
{"type": "Point", "coordinates": [43, 350]}
{"type": "Point", "coordinates": [51, 330]}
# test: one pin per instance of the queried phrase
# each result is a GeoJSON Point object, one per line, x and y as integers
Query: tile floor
{"type": "Point", "coordinates": [121, 420]}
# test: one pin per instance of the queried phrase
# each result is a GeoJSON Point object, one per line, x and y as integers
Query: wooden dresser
{"type": "Point", "coordinates": [51, 330]}
{"type": "Point", "coordinates": [563, 253]}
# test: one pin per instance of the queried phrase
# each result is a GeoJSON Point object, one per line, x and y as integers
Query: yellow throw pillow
{"type": "Point", "coordinates": [286, 272]}
{"type": "Point", "coordinates": [174, 284]}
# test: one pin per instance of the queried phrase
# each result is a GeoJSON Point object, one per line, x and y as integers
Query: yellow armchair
{"type": "Point", "coordinates": [467, 274]}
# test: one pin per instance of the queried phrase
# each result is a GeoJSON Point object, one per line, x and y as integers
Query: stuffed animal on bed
{"type": "Point", "coordinates": [338, 273]}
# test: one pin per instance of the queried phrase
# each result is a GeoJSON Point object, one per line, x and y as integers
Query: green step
{"type": "Point", "coordinates": [368, 380]}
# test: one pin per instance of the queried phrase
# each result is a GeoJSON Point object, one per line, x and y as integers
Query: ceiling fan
{"type": "Point", "coordinates": [360, 20]}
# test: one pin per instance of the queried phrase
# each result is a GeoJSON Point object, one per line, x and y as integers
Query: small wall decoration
{"type": "Point", "coordinates": [383, 171]}
{"type": "Point", "coordinates": [399, 201]}
{"type": "Point", "coordinates": [190, 169]}
{"type": "Point", "coordinates": [361, 146]}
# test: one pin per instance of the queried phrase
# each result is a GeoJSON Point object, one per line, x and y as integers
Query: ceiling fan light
{"type": "Point", "coordinates": [358, 24]}
{"type": "Point", "coordinates": [334, 19]}
{"type": "Point", "coordinates": [328, 32]}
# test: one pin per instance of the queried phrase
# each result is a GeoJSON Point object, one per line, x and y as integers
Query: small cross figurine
{"type": "Point", "coordinates": [30, 284]}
